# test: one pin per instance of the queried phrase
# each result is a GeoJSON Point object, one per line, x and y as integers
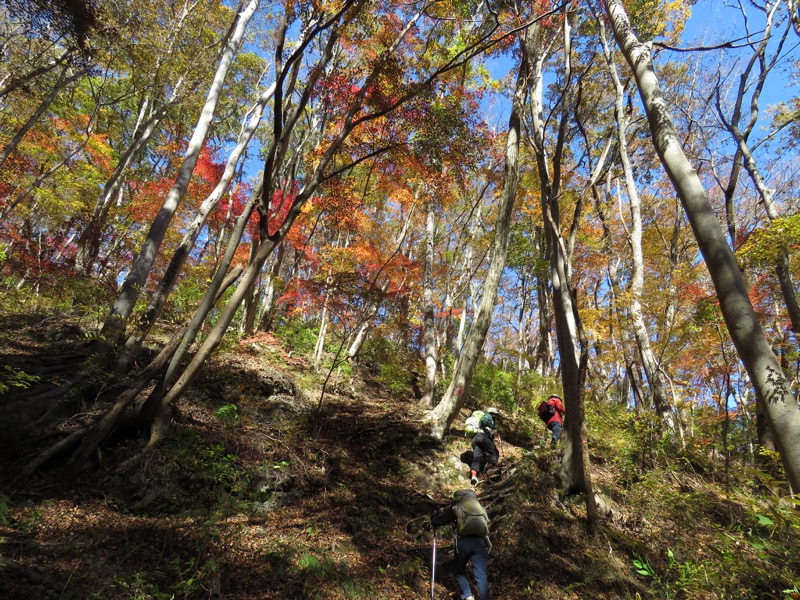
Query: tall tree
{"type": "Point", "coordinates": [453, 398]}
{"type": "Point", "coordinates": [652, 368]}
{"type": "Point", "coordinates": [754, 351]}
{"type": "Point", "coordinates": [572, 351]}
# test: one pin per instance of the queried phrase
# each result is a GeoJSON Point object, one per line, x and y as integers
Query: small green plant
{"type": "Point", "coordinates": [353, 589]}
{"type": "Point", "coordinates": [793, 592]}
{"type": "Point", "coordinates": [15, 378]}
{"type": "Point", "coordinates": [314, 567]}
{"type": "Point", "coordinates": [143, 588]}
{"type": "Point", "coordinates": [189, 575]}
{"type": "Point", "coordinates": [228, 414]}
{"type": "Point", "coordinates": [643, 567]}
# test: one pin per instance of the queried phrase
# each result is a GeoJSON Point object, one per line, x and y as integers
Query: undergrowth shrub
{"type": "Point", "coordinates": [15, 379]}
{"type": "Point", "coordinates": [299, 336]}
{"type": "Point", "coordinates": [188, 295]}
{"type": "Point", "coordinates": [492, 386]}
{"type": "Point", "coordinates": [394, 365]}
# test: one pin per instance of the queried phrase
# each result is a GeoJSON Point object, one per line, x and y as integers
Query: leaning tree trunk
{"type": "Point", "coordinates": [754, 351]}
{"type": "Point", "coordinates": [150, 406]}
{"type": "Point", "coordinates": [167, 283]}
{"type": "Point", "coordinates": [447, 408]}
{"type": "Point", "coordinates": [131, 287]}
{"type": "Point", "coordinates": [95, 435]}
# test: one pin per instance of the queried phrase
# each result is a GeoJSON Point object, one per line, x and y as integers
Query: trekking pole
{"type": "Point", "coordinates": [433, 564]}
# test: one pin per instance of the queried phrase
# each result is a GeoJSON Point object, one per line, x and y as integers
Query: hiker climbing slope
{"type": "Point", "coordinates": [552, 411]}
{"type": "Point", "coordinates": [485, 455]}
{"type": "Point", "coordinates": [472, 540]}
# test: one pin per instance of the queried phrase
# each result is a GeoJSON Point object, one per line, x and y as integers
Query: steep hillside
{"type": "Point", "coordinates": [266, 489]}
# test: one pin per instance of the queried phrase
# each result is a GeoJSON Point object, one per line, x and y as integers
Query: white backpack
{"type": "Point", "coordinates": [473, 423]}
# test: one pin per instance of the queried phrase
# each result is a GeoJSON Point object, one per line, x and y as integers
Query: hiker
{"type": "Point", "coordinates": [485, 455]}
{"type": "Point", "coordinates": [472, 540]}
{"type": "Point", "coordinates": [551, 411]}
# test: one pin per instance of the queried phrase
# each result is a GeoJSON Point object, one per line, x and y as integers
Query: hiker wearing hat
{"type": "Point", "coordinates": [551, 411]}
{"type": "Point", "coordinates": [485, 455]}
{"type": "Point", "coordinates": [471, 525]}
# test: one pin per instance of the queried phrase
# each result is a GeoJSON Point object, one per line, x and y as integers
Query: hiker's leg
{"type": "Point", "coordinates": [480, 568]}
{"type": "Point", "coordinates": [478, 457]}
{"type": "Point", "coordinates": [556, 429]}
{"type": "Point", "coordinates": [462, 558]}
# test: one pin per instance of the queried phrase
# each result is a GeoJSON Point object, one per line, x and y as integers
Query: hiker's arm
{"type": "Point", "coordinates": [443, 516]}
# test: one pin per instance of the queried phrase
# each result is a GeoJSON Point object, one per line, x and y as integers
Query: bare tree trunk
{"type": "Point", "coordinates": [178, 259]}
{"type": "Point", "coordinates": [103, 428]}
{"type": "Point", "coordinates": [131, 287]}
{"type": "Point", "coordinates": [150, 406]}
{"type": "Point", "coordinates": [429, 322]}
{"type": "Point", "coordinates": [267, 310]}
{"type": "Point", "coordinates": [323, 330]}
{"type": "Point", "coordinates": [544, 354]}
{"type": "Point", "coordinates": [650, 364]}
{"type": "Point", "coordinates": [576, 474]}
{"type": "Point", "coordinates": [754, 351]}
{"type": "Point", "coordinates": [447, 408]}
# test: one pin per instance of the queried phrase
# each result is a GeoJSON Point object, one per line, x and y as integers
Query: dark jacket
{"type": "Point", "coordinates": [443, 516]}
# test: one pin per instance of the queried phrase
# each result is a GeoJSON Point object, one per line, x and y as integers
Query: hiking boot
{"type": "Point", "coordinates": [474, 481]}
{"type": "Point", "coordinates": [470, 598]}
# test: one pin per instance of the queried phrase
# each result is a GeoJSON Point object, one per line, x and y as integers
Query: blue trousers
{"type": "Point", "coordinates": [555, 427]}
{"type": "Point", "coordinates": [472, 549]}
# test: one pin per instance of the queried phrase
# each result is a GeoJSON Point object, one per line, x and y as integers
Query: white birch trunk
{"type": "Point", "coordinates": [429, 325]}
{"type": "Point", "coordinates": [651, 366]}
{"type": "Point", "coordinates": [167, 283]}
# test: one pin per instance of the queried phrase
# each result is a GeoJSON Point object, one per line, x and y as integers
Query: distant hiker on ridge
{"type": "Point", "coordinates": [551, 411]}
{"type": "Point", "coordinates": [472, 540]}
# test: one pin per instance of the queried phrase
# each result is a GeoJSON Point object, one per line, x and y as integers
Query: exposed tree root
{"type": "Point", "coordinates": [64, 444]}
{"type": "Point", "coordinates": [31, 576]}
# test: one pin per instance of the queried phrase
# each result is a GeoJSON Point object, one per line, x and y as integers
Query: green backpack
{"type": "Point", "coordinates": [471, 517]}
